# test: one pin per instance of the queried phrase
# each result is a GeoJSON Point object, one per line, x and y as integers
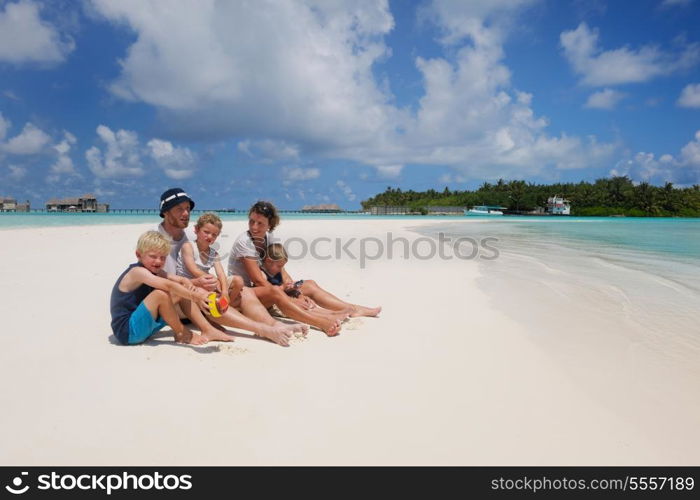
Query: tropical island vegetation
{"type": "Point", "coordinates": [604, 197]}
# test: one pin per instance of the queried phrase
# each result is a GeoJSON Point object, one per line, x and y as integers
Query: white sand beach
{"type": "Point", "coordinates": [443, 377]}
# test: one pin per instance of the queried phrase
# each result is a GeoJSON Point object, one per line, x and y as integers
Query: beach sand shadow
{"type": "Point", "coordinates": [166, 337]}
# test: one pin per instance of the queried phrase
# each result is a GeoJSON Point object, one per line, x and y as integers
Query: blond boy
{"type": "Point", "coordinates": [144, 295]}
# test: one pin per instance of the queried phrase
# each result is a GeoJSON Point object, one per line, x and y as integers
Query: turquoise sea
{"type": "Point", "coordinates": [641, 274]}
{"type": "Point", "coordinates": [676, 237]}
{"type": "Point", "coordinates": [44, 219]}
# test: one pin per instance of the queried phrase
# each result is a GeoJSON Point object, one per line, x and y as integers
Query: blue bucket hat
{"type": "Point", "coordinates": [172, 197]}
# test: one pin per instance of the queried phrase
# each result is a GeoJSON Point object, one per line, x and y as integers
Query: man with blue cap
{"type": "Point", "coordinates": [175, 208]}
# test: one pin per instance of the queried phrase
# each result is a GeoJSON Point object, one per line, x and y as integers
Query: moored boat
{"type": "Point", "coordinates": [484, 210]}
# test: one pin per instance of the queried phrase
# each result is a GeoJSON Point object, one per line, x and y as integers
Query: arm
{"type": "Point", "coordinates": [288, 285]}
{"type": "Point", "coordinates": [287, 281]}
{"type": "Point", "coordinates": [206, 281]}
{"type": "Point", "coordinates": [256, 275]}
{"type": "Point", "coordinates": [223, 281]}
{"type": "Point", "coordinates": [180, 279]}
{"type": "Point", "coordinates": [139, 275]}
{"type": "Point", "coordinates": [187, 255]}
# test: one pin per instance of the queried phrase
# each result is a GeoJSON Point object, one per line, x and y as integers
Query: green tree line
{"type": "Point", "coordinates": [613, 196]}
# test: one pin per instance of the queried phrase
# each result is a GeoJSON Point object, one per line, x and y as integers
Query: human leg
{"type": "Point", "coordinates": [253, 316]}
{"type": "Point", "coordinates": [270, 295]}
{"type": "Point", "coordinates": [207, 329]}
{"type": "Point", "coordinates": [326, 299]}
{"type": "Point", "coordinates": [160, 305]}
{"type": "Point", "coordinates": [235, 287]}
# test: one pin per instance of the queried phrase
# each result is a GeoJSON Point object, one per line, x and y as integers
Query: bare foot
{"type": "Point", "coordinates": [189, 337]}
{"type": "Point", "coordinates": [330, 327]}
{"type": "Point", "coordinates": [294, 328]}
{"type": "Point", "coordinates": [215, 334]}
{"type": "Point", "coordinates": [369, 312]}
{"type": "Point", "coordinates": [302, 328]}
{"type": "Point", "coordinates": [279, 334]}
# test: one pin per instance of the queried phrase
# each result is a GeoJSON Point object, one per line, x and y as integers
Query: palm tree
{"type": "Point", "coordinates": [646, 198]}
{"type": "Point", "coordinates": [618, 189]}
{"type": "Point", "coordinates": [516, 192]}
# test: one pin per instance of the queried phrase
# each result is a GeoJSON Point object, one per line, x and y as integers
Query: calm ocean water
{"type": "Point", "coordinates": [38, 219]}
{"type": "Point", "coordinates": [662, 236]}
{"type": "Point", "coordinates": [643, 272]}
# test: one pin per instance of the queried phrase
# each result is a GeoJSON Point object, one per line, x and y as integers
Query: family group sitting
{"type": "Point", "coordinates": [172, 278]}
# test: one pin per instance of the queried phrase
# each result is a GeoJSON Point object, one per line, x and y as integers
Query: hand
{"type": "Point", "coordinates": [208, 282]}
{"type": "Point", "coordinates": [201, 298]}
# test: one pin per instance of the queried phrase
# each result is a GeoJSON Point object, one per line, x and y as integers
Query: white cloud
{"type": "Point", "coordinates": [270, 150]}
{"type": "Point", "coordinates": [11, 95]}
{"type": "Point", "coordinates": [307, 76]}
{"type": "Point", "coordinates": [624, 65]}
{"type": "Point", "coordinates": [690, 154]}
{"type": "Point", "coordinates": [449, 179]}
{"type": "Point", "coordinates": [31, 140]}
{"type": "Point", "coordinates": [389, 171]}
{"type": "Point", "coordinates": [682, 169]}
{"type": "Point", "coordinates": [64, 163]}
{"type": "Point", "coordinates": [17, 173]}
{"type": "Point", "coordinates": [676, 3]}
{"type": "Point", "coordinates": [297, 174]}
{"type": "Point", "coordinates": [307, 84]}
{"type": "Point", "coordinates": [26, 38]}
{"type": "Point", "coordinates": [473, 120]}
{"type": "Point", "coordinates": [459, 19]}
{"type": "Point", "coordinates": [176, 162]}
{"type": "Point", "coordinates": [4, 127]}
{"type": "Point", "coordinates": [347, 190]}
{"type": "Point", "coordinates": [690, 96]}
{"type": "Point", "coordinates": [604, 99]}
{"type": "Point", "coordinates": [121, 159]}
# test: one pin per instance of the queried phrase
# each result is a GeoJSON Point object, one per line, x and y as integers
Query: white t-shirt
{"type": "Point", "coordinates": [244, 248]}
{"type": "Point", "coordinates": [171, 262]}
{"type": "Point", "coordinates": [203, 266]}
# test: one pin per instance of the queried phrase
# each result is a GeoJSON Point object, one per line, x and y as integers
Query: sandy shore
{"type": "Point", "coordinates": [442, 377]}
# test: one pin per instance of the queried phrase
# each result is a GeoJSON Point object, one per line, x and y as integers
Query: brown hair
{"type": "Point", "coordinates": [209, 218]}
{"type": "Point", "coordinates": [267, 210]}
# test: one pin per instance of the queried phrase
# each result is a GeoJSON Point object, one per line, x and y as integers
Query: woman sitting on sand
{"type": "Point", "coordinates": [247, 257]}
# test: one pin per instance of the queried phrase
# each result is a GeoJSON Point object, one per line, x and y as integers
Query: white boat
{"type": "Point", "coordinates": [557, 205]}
{"type": "Point", "coordinates": [484, 210]}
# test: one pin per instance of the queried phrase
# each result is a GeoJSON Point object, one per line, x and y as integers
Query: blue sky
{"type": "Point", "coordinates": [326, 101]}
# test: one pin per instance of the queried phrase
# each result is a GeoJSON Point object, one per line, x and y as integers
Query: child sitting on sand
{"type": "Point", "coordinates": [307, 292]}
{"type": "Point", "coordinates": [196, 258]}
{"type": "Point", "coordinates": [144, 295]}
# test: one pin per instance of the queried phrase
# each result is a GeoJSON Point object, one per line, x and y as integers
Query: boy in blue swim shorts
{"type": "Point", "coordinates": [144, 296]}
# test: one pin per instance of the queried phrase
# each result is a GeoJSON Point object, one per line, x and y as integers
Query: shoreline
{"type": "Point", "coordinates": [442, 377]}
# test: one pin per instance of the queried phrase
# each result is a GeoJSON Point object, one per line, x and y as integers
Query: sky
{"type": "Point", "coordinates": [304, 102]}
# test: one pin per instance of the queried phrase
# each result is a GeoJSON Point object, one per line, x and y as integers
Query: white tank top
{"type": "Point", "coordinates": [211, 259]}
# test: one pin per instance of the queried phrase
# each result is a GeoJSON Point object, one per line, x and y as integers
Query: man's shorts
{"type": "Point", "coordinates": [142, 325]}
